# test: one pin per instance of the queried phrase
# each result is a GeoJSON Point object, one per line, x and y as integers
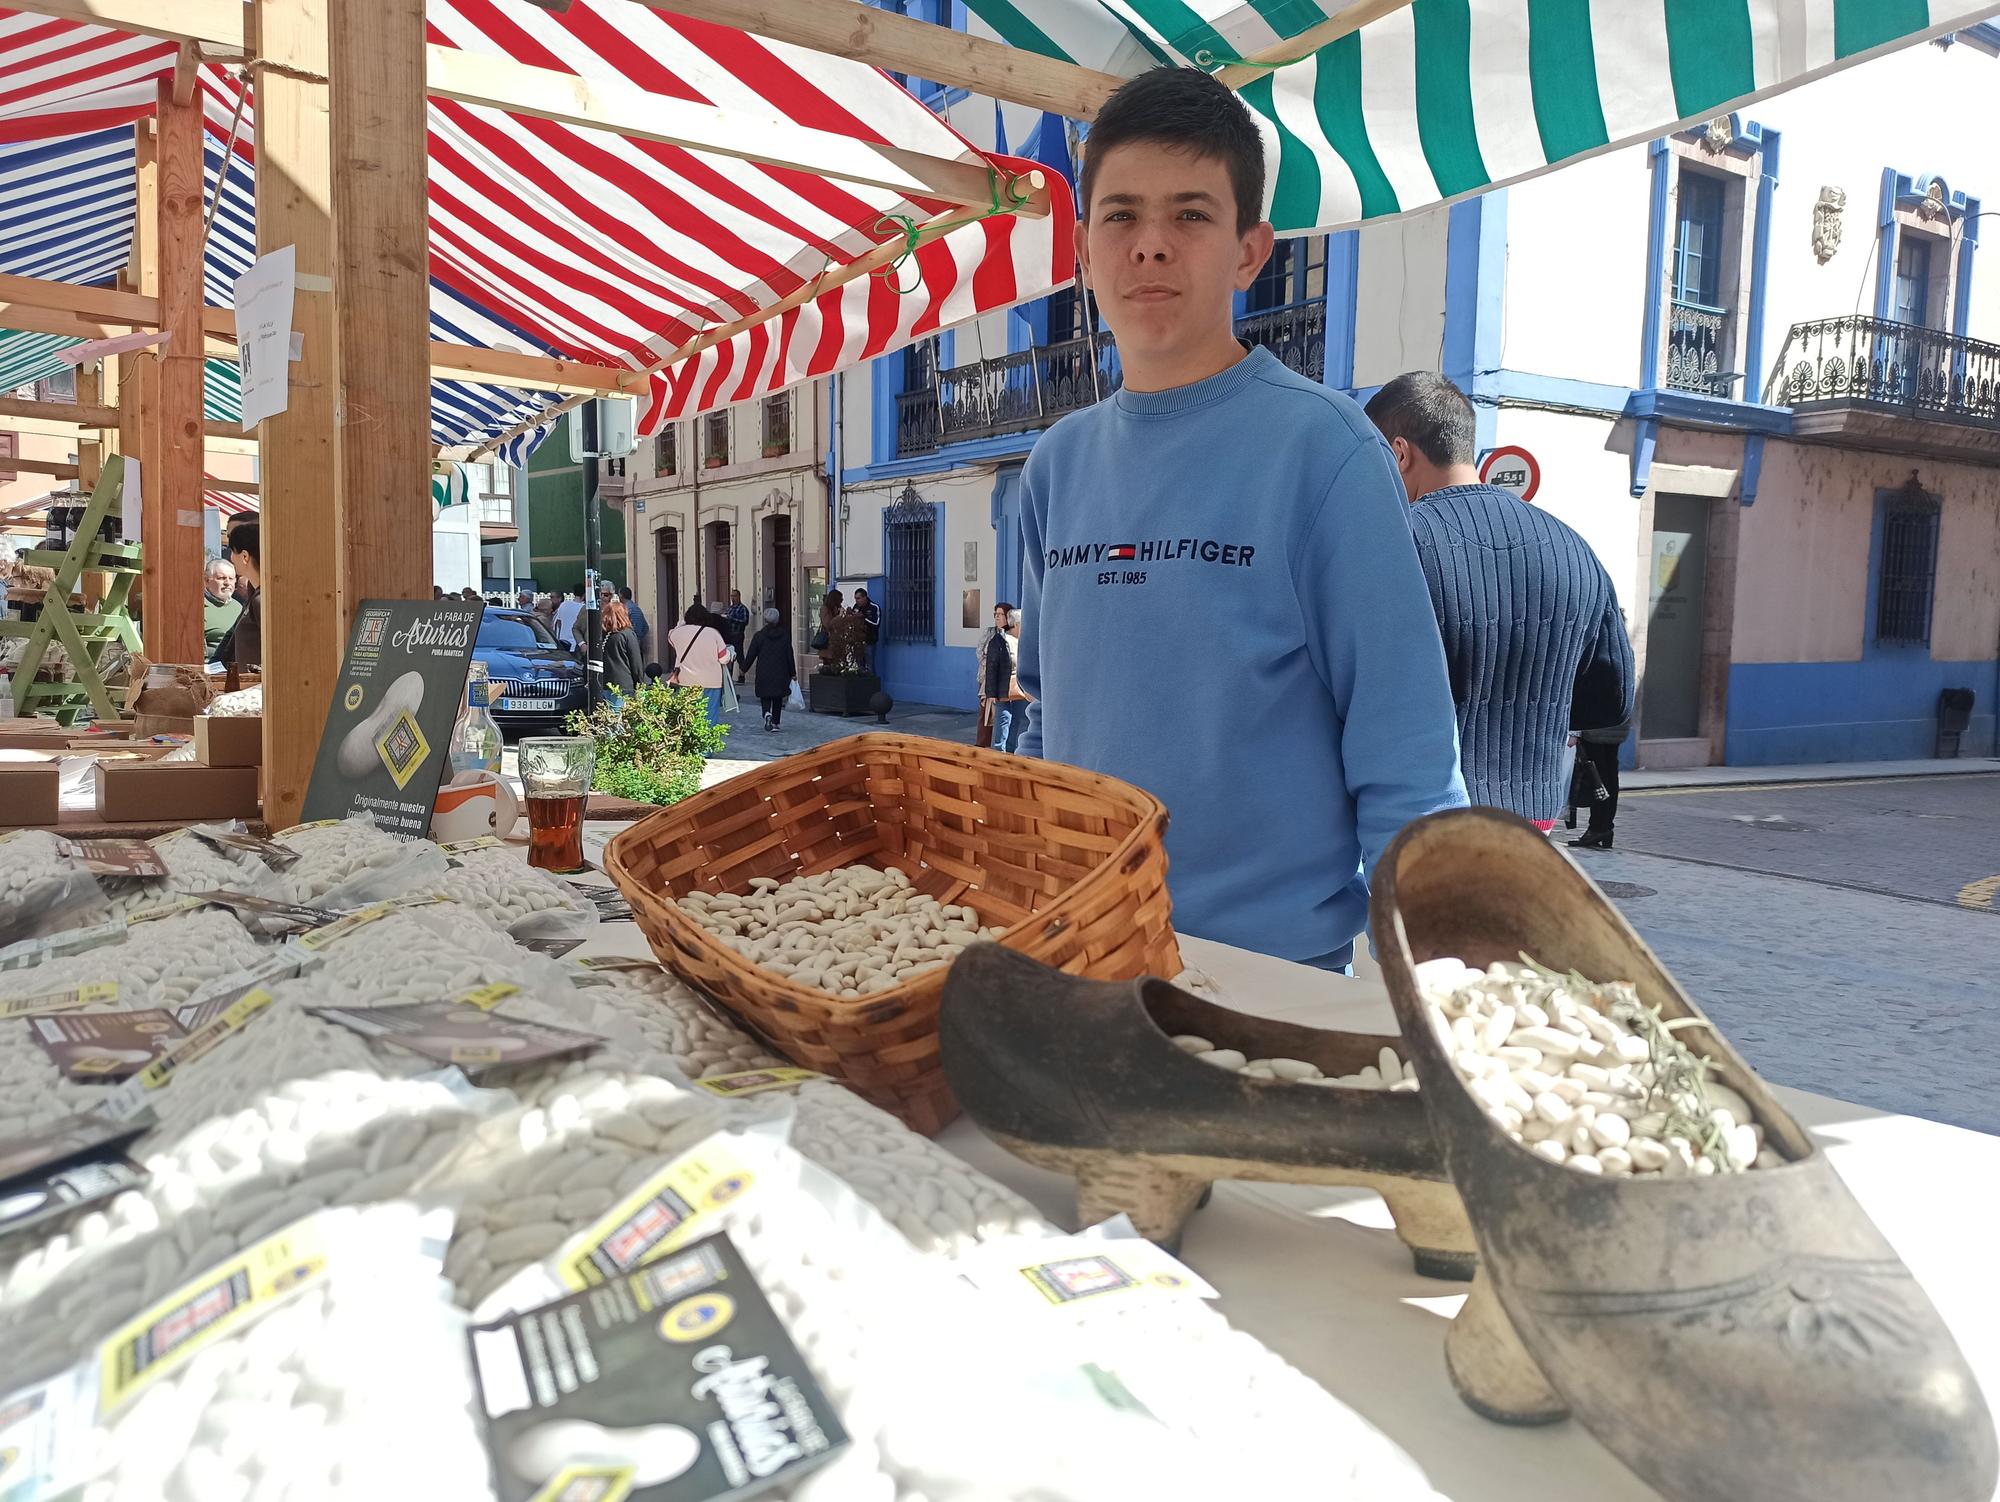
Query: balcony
{"type": "Point", "coordinates": [1900, 386]}
{"type": "Point", "coordinates": [1697, 344]}
{"type": "Point", "coordinates": [1031, 388]}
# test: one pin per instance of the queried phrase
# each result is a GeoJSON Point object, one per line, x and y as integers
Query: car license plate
{"type": "Point", "coordinates": [527, 704]}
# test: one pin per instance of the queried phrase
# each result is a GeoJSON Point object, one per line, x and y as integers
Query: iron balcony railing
{"type": "Point", "coordinates": [1031, 388]}
{"type": "Point", "coordinates": [1899, 367]}
{"type": "Point", "coordinates": [1697, 346]}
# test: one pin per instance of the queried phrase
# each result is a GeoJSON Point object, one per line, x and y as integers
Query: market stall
{"type": "Point", "coordinates": [317, 1141]}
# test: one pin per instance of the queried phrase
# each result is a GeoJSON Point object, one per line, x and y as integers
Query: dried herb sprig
{"type": "Point", "coordinates": [1678, 1091]}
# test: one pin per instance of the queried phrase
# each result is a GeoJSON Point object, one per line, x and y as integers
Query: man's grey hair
{"type": "Point", "coordinates": [1013, 618]}
{"type": "Point", "coordinates": [216, 563]}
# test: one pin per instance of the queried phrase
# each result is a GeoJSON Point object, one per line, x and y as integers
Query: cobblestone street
{"type": "Point", "coordinates": [1836, 953]}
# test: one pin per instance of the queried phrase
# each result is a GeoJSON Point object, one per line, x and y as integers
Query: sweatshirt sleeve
{"type": "Point", "coordinates": [1374, 641]}
{"type": "Point", "coordinates": [1028, 664]}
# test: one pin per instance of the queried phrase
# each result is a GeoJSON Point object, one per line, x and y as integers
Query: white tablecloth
{"type": "Point", "coordinates": [1319, 1276]}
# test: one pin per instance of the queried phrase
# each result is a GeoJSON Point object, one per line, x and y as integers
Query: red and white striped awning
{"type": "Point", "coordinates": [228, 503]}
{"type": "Point", "coordinates": [588, 245]}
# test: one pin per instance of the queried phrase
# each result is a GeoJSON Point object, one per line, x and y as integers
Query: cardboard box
{"type": "Point", "coordinates": [135, 793]}
{"type": "Point", "coordinates": [163, 724]}
{"type": "Point", "coordinates": [30, 792]}
{"type": "Point", "coordinates": [229, 740]}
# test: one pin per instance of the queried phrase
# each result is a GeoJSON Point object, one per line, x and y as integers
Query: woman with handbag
{"type": "Point", "coordinates": [770, 658]}
{"type": "Point", "coordinates": [699, 657]}
{"type": "Point", "coordinates": [1003, 684]}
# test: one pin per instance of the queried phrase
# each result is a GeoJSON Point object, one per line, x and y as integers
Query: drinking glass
{"type": "Point", "coordinates": [555, 775]}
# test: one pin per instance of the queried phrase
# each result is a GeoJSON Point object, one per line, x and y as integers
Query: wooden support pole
{"type": "Point", "coordinates": [847, 28]}
{"type": "Point", "coordinates": [381, 296]}
{"type": "Point", "coordinates": [90, 449]}
{"type": "Point", "coordinates": [172, 484]}
{"type": "Point", "coordinates": [139, 370]}
{"type": "Point", "coordinates": [302, 525]}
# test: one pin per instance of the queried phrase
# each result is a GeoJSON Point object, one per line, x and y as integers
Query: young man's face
{"type": "Point", "coordinates": [1160, 249]}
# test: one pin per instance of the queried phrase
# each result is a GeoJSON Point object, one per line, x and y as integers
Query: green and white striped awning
{"type": "Point", "coordinates": [1441, 98]}
{"type": "Point", "coordinates": [27, 358]}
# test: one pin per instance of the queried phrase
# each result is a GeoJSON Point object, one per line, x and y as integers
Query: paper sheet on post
{"type": "Point", "coordinates": [264, 333]}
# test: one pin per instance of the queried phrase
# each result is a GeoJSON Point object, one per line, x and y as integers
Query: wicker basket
{"type": "Point", "coordinates": [1074, 865]}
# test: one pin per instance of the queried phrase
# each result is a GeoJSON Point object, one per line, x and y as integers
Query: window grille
{"type": "Point", "coordinates": [1908, 567]}
{"type": "Point", "coordinates": [911, 615]}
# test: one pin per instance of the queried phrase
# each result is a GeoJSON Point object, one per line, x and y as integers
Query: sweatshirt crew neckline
{"type": "Point", "coordinates": [1178, 399]}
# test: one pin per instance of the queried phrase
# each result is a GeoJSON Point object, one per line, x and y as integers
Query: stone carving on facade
{"type": "Point", "coordinates": [1931, 208]}
{"type": "Point", "coordinates": [1831, 205]}
{"type": "Point", "coordinates": [1715, 140]}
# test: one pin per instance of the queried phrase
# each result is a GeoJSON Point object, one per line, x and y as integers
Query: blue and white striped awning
{"type": "Point", "coordinates": [67, 208]}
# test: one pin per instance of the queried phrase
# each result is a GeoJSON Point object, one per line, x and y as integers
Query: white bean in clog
{"type": "Point", "coordinates": [1223, 1058]}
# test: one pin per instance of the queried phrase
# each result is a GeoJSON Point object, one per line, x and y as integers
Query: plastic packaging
{"type": "Point", "coordinates": [42, 891]}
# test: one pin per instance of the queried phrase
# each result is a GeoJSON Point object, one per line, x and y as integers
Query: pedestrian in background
{"type": "Point", "coordinates": [701, 656]}
{"type": "Point", "coordinates": [566, 616]}
{"type": "Point", "coordinates": [871, 614]}
{"type": "Point", "coordinates": [987, 704]}
{"type": "Point", "coordinates": [1599, 733]}
{"type": "Point", "coordinates": [1522, 603]}
{"type": "Point", "coordinates": [639, 623]}
{"type": "Point", "coordinates": [624, 663]}
{"type": "Point", "coordinates": [770, 655]}
{"type": "Point", "coordinates": [219, 605]}
{"type": "Point", "coordinates": [1003, 685]}
{"type": "Point", "coordinates": [736, 626]}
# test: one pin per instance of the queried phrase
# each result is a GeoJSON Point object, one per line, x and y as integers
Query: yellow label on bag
{"type": "Point", "coordinates": [588, 1483]}
{"type": "Point", "coordinates": [220, 1302]}
{"type": "Point", "coordinates": [130, 1098]}
{"type": "Point", "coordinates": [756, 1081]}
{"type": "Point", "coordinates": [332, 933]}
{"type": "Point", "coordinates": [61, 1001]}
{"type": "Point", "coordinates": [665, 1212]}
{"type": "Point", "coordinates": [165, 910]}
{"type": "Point", "coordinates": [486, 998]}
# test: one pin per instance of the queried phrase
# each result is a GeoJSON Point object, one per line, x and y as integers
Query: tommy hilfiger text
{"type": "Point", "coordinates": [1160, 550]}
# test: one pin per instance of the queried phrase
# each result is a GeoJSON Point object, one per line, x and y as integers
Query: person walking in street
{"type": "Point", "coordinates": [1600, 696]}
{"type": "Point", "coordinates": [736, 625]}
{"type": "Point", "coordinates": [566, 616]}
{"type": "Point", "coordinates": [1296, 629]}
{"type": "Point", "coordinates": [639, 623]}
{"type": "Point", "coordinates": [624, 664]}
{"type": "Point", "coordinates": [871, 613]}
{"type": "Point", "coordinates": [1523, 606]}
{"type": "Point", "coordinates": [987, 704]}
{"type": "Point", "coordinates": [701, 656]}
{"type": "Point", "coordinates": [1003, 685]}
{"type": "Point", "coordinates": [219, 605]}
{"type": "Point", "coordinates": [770, 655]}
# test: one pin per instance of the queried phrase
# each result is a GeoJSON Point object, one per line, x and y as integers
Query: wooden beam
{"type": "Point", "coordinates": [232, 487]}
{"type": "Point", "coordinates": [301, 525]}
{"type": "Point", "coordinates": [90, 415]}
{"type": "Point", "coordinates": [187, 64]}
{"type": "Point", "coordinates": [476, 78]}
{"type": "Point", "coordinates": [45, 307]}
{"type": "Point", "coordinates": [216, 25]}
{"type": "Point", "coordinates": [847, 28]}
{"type": "Point", "coordinates": [139, 370]}
{"type": "Point", "coordinates": [1357, 15]}
{"type": "Point", "coordinates": [381, 287]}
{"type": "Point", "coordinates": [90, 448]}
{"type": "Point", "coordinates": [55, 469]}
{"type": "Point", "coordinates": [172, 491]}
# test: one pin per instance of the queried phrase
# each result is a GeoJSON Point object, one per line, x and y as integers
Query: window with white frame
{"type": "Point", "coordinates": [778, 424]}
{"type": "Point", "coordinates": [715, 439]}
{"type": "Point", "coordinates": [666, 451]}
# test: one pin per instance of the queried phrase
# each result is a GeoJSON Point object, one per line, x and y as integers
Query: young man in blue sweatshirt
{"type": "Point", "coordinates": [1236, 534]}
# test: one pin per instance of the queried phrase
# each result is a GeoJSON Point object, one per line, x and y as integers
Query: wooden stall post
{"type": "Point", "coordinates": [139, 370]}
{"type": "Point", "coordinates": [302, 525]}
{"type": "Point", "coordinates": [172, 485]}
{"type": "Point", "coordinates": [381, 273]}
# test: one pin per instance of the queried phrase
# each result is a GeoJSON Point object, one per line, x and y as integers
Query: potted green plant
{"type": "Point", "coordinates": [651, 747]}
{"type": "Point", "coordinates": [842, 685]}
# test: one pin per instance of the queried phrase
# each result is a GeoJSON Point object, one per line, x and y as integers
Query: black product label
{"type": "Point", "coordinates": [101, 1047]}
{"type": "Point", "coordinates": [73, 1139]}
{"type": "Point", "coordinates": [471, 1036]}
{"type": "Point", "coordinates": [683, 1371]}
{"type": "Point", "coordinates": [35, 1201]}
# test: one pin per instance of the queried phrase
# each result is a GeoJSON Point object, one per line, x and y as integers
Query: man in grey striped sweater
{"type": "Point", "coordinates": [1523, 605]}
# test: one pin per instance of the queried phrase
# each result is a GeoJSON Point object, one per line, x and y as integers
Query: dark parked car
{"type": "Point", "coordinates": [535, 682]}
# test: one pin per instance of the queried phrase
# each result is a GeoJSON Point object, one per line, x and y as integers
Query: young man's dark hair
{"type": "Point", "coordinates": [1427, 411]}
{"type": "Point", "coordinates": [1186, 109]}
{"type": "Point", "coordinates": [243, 539]}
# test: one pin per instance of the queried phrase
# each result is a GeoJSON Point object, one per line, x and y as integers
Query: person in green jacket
{"type": "Point", "coordinates": [219, 605]}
